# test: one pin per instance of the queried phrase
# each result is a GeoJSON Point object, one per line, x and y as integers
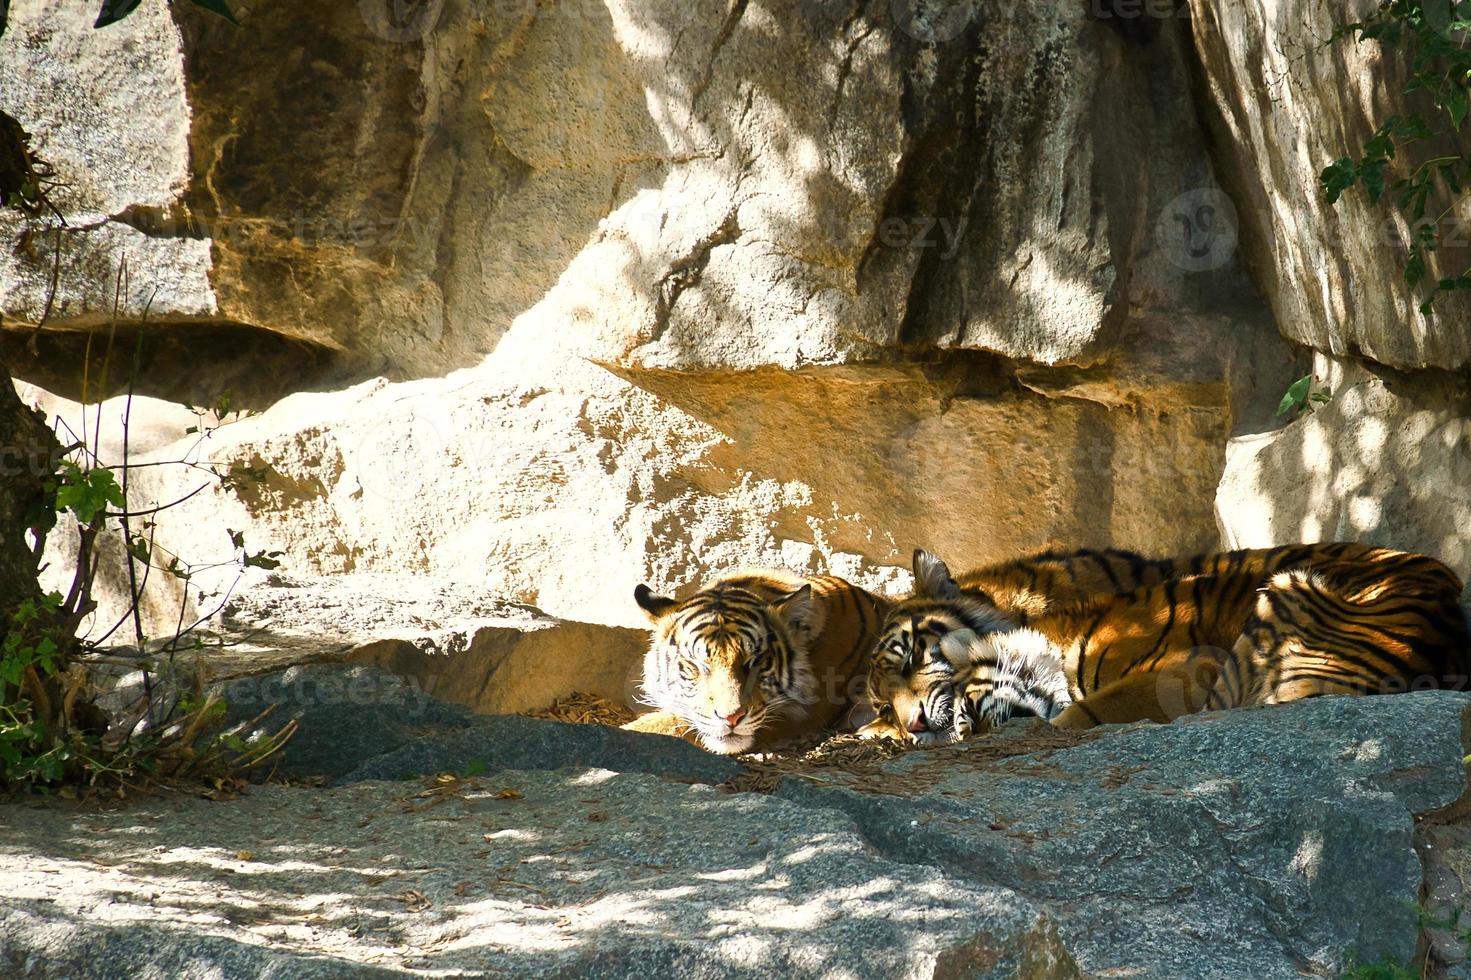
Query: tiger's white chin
{"type": "Point", "coordinates": [729, 743]}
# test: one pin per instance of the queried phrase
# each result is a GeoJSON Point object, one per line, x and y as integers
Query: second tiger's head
{"type": "Point", "coordinates": [935, 650]}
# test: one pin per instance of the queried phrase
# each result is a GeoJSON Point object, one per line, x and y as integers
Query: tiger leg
{"type": "Point", "coordinates": [1161, 696]}
{"type": "Point", "coordinates": [663, 723]}
{"type": "Point", "coordinates": [1305, 638]}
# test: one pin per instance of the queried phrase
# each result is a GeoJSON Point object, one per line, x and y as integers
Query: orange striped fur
{"type": "Point", "coordinates": [1214, 631]}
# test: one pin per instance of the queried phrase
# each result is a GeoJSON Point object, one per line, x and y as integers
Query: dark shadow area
{"type": "Point", "coordinates": [177, 362]}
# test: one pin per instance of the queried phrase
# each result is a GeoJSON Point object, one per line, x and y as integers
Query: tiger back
{"type": "Point", "coordinates": [757, 658]}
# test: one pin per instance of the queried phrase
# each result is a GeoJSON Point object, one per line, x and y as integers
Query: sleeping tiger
{"type": "Point", "coordinates": [1215, 631]}
{"type": "Point", "coordinates": [756, 658]}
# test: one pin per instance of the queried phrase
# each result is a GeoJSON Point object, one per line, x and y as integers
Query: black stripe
{"type": "Point", "coordinates": [1103, 563]}
{"type": "Point", "coordinates": [1168, 590]}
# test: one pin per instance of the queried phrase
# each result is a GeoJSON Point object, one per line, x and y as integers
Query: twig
{"type": "Point", "coordinates": [50, 291]}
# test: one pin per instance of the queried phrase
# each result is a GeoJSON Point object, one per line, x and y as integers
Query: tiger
{"type": "Point", "coordinates": [1251, 627]}
{"type": "Point", "coordinates": [755, 659]}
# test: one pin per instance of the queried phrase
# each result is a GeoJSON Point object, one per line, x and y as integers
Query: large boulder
{"type": "Point", "coordinates": [657, 184]}
{"type": "Point", "coordinates": [563, 485]}
{"type": "Point", "coordinates": [1387, 459]}
{"type": "Point", "coordinates": [1265, 843]}
{"type": "Point", "coordinates": [1285, 106]}
{"type": "Point", "coordinates": [655, 290]}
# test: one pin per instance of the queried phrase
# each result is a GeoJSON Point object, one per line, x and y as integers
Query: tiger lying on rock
{"type": "Point", "coordinates": [1162, 639]}
{"type": "Point", "coordinates": [756, 658]}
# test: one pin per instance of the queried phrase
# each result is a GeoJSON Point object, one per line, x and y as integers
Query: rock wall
{"type": "Point", "coordinates": [1388, 458]}
{"type": "Point", "coordinates": [1285, 106]}
{"type": "Point", "coordinates": [551, 300]}
{"type": "Point", "coordinates": [655, 184]}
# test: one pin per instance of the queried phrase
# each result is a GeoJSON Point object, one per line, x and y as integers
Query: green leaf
{"type": "Point", "coordinates": [87, 494]}
{"type": "Point", "coordinates": [4, 15]}
{"type": "Point", "coordinates": [264, 560]}
{"type": "Point", "coordinates": [1336, 178]}
{"type": "Point", "coordinates": [1297, 393]}
{"type": "Point", "coordinates": [219, 7]}
{"type": "Point", "coordinates": [1451, 178]}
{"type": "Point", "coordinates": [1455, 104]}
{"type": "Point", "coordinates": [1372, 174]}
{"type": "Point", "coordinates": [138, 548]}
{"type": "Point", "coordinates": [115, 10]}
{"type": "Point", "coordinates": [1381, 144]}
{"type": "Point", "coordinates": [1415, 128]}
{"type": "Point", "coordinates": [1415, 267]}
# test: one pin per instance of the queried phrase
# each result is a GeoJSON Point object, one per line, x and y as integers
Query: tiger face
{"type": "Point", "coordinates": [949, 664]}
{"type": "Point", "coordinates": [726, 661]}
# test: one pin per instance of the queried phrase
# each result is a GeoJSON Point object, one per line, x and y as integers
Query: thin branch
{"type": "Point", "coordinates": [155, 510]}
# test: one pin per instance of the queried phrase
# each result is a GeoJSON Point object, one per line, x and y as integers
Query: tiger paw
{"type": "Point", "coordinates": [662, 723]}
{"type": "Point", "coordinates": [882, 729]}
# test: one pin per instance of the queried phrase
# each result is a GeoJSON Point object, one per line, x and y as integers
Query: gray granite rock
{"type": "Point", "coordinates": [569, 874]}
{"type": "Point", "coordinates": [1255, 843]}
{"type": "Point", "coordinates": [358, 722]}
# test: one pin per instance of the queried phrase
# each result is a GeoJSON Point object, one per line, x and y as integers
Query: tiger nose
{"type": "Point", "coordinates": [734, 718]}
{"type": "Point", "coordinates": [917, 723]}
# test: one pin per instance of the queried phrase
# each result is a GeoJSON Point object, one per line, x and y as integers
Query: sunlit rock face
{"type": "Point", "coordinates": [1285, 106]}
{"type": "Point", "coordinates": [650, 184]}
{"type": "Point", "coordinates": [557, 299]}
{"type": "Point", "coordinates": [1387, 460]}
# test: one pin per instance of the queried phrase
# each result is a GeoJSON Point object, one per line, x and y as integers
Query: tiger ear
{"type": "Point", "coordinates": [800, 611]}
{"type": "Point", "coordinates": [932, 577]}
{"type": "Point", "coordinates": [656, 606]}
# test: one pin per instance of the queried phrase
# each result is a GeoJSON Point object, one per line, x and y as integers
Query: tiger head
{"type": "Point", "coordinates": [728, 661]}
{"type": "Point", "coordinates": [949, 662]}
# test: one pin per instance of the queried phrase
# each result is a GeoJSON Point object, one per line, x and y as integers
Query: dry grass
{"type": "Point", "coordinates": [857, 763]}
{"type": "Point", "coordinates": [585, 709]}
{"type": "Point", "coordinates": [847, 759]}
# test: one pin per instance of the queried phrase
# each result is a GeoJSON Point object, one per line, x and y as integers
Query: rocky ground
{"type": "Point", "coordinates": [1257, 843]}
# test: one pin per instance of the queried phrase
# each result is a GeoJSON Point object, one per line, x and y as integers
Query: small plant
{"type": "Point", "coordinates": [1301, 396]}
{"type": "Point", "coordinates": [113, 11]}
{"type": "Point", "coordinates": [1382, 969]}
{"type": "Point", "coordinates": [25, 179]}
{"type": "Point", "coordinates": [1435, 34]}
{"type": "Point", "coordinates": [53, 738]}
{"type": "Point", "coordinates": [1385, 968]}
